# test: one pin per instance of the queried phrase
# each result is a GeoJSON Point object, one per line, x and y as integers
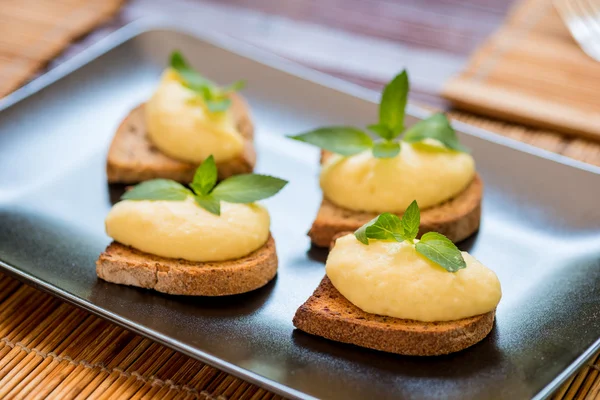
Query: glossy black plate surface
{"type": "Point", "coordinates": [540, 230]}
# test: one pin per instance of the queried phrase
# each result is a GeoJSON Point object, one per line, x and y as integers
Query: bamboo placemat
{"type": "Point", "coordinates": [532, 71]}
{"type": "Point", "coordinates": [51, 350]}
{"type": "Point", "coordinates": [32, 32]}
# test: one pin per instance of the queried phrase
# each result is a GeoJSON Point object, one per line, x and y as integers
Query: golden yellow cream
{"type": "Point", "coordinates": [392, 279]}
{"type": "Point", "coordinates": [421, 172]}
{"type": "Point", "coordinates": [180, 125]}
{"type": "Point", "coordinates": [182, 229]}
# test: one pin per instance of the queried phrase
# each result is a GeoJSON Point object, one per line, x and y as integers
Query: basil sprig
{"type": "Point", "coordinates": [215, 97]}
{"type": "Point", "coordinates": [347, 141]}
{"type": "Point", "coordinates": [434, 246]}
{"type": "Point", "coordinates": [246, 188]}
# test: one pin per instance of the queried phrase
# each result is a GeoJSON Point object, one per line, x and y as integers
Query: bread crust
{"type": "Point", "coordinates": [127, 266]}
{"type": "Point", "coordinates": [132, 158]}
{"type": "Point", "coordinates": [329, 314]}
{"type": "Point", "coordinates": [457, 218]}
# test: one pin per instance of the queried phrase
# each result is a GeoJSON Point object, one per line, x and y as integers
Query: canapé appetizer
{"type": "Point", "coordinates": [362, 177]}
{"type": "Point", "coordinates": [387, 290]}
{"type": "Point", "coordinates": [187, 119]}
{"type": "Point", "coordinates": [210, 240]}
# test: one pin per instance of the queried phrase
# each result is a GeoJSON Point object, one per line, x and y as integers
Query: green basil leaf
{"type": "Point", "coordinates": [209, 203]}
{"type": "Point", "coordinates": [381, 130]}
{"type": "Point", "coordinates": [430, 147]}
{"type": "Point", "coordinates": [157, 189]}
{"type": "Point", "coordinates": [205, 177]}
{"type": "Point", "coordinates": [177, 62]}
{"type": "Point", "coordinates": [191, 78]}
{"type": "Point", "coordinates": [386, 227]}
{"type": "Point", "coordinates": [411, 220]}
{"type": "Point", "coordinates": [344, 140]}
{"type": "Point", "coordinates": [247, 188]}
{"type": "Point", "coordinates": [234, 87]}
{"type": "Point", "coordinates": [439, 249]}
{"type": "Point", "coordinates": [208, 92]}
{"type": "Point", "coordinates": [435, 127]}
{"type": "Point", "coordinates": [393, 104]}
{"type": "Point", "coordinates": [215, 97]}
{"type": "Point", "coordinates": [361, 233]}
{"type": "Point", "coordinates": [386, 149]}
{"type": "Point", "coordinates": [218, 105]}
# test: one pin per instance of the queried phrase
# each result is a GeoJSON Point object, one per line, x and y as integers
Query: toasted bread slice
{"type": "Point", "coordinates": [132, 158]}
{"type": "Point", "coordinates": [329, 314]}
{"type": "Point", "coordinates": [127, 266]}
{"type": "Point", "coordinates": [457, 218]}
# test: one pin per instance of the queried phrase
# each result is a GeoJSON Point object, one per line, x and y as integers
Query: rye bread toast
{"type": "Point", "coordinates": [132, 157]}
{"type": "Point", "coordinates": [329, 314]}
{"type": "Point", "coordinates": [127, 266]}
{"type": "Point", "coordinates": [457, 218]}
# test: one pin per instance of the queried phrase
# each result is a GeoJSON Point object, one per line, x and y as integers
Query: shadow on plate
{"type": "Point", "coordinates": [479, 357]}
{"type": "Point", "coordinates": [318, 254]}
{"type": "Point", "coordinates": [115, 191]}
{"type": "Point", "coordinates": [218, 306]}
{"type": "Point", "coordinates": [468, 243]}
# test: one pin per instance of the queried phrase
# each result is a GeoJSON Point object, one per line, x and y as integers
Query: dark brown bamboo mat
{"type": "Point", "coordinates": [532, 71]}
{"type": "Point", "coordinates": [32, 32]}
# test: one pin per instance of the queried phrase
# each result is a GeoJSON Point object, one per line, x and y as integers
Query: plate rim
{"type": "Point", "coordinates": [265, 57]}
{"type": "Point", "coordinates": [238, 46]}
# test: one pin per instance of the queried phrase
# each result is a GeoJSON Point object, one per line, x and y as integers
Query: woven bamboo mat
{"type": "Point", "coordinates": [32, 32]}
{"type": "Point", "coordinates": [532, 71]}
{"type": "Point", "coordinates": [51, 350]}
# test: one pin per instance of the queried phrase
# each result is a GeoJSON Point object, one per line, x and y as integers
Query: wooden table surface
{"type": "Point", "coordinates": [363, 41]}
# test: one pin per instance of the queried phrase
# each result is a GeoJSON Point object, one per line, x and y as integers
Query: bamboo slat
{"type": "Point", "coordinates": [531, 71]}
{"type": "Point", "coordinates": [32, 32]}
